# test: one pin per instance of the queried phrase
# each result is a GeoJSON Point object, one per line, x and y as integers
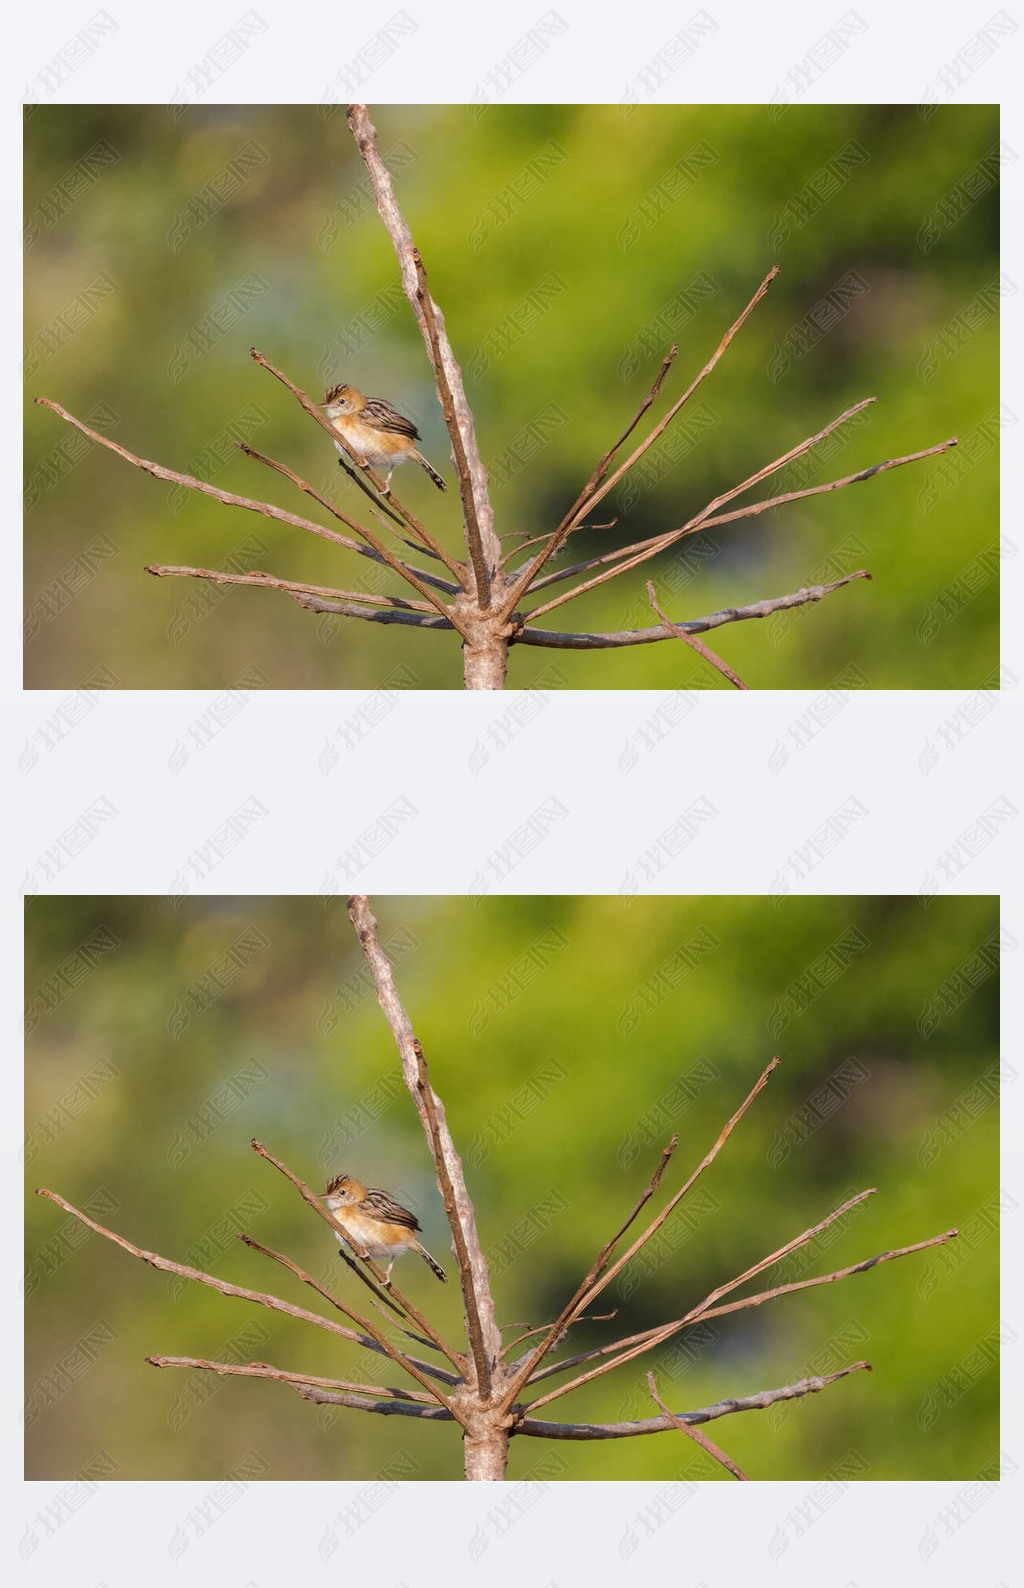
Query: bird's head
{"type": "Point", "coordinates": [341, 1191]}
{"type": "Point", "coordinates": [340, 399]}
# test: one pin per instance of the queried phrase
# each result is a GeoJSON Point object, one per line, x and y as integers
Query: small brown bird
{"type": "Point", "coordinates": [375, 432]}
{"type": "Point", "coordinates": [379, 1225]}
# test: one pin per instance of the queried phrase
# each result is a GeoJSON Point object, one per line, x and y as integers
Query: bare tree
{"type": "Point", "coordinates": [481, 594]}
{"type": "Point", "coordinates": [491, 1390]}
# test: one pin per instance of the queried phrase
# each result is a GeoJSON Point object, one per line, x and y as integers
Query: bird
{"type": "Point", "coordinates": [375, 432]}
{"type": "Point", "coordinates": [376, 1223]}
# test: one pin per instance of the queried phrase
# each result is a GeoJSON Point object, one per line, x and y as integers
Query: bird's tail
{"type": "Point", "coordinates": [432, 472]}
{"type": "Point", "coordinates": [438, 1270]}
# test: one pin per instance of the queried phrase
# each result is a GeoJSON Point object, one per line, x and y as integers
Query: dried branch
{"type": "Point", "coordinates": [310, 1197]}
{"type": "Point", "coordinates": [673, 1202]}
{"type": "Point", "coordinates": [535, 1428]}
{"type": "Point", "coordinates": [355, 471]}
{"type": "Point", "coordinates": [307, 1279]}
{"type": "Point", "coordinates": [695, 1434]}
{"type": "Point", "coordinates": [803, 1239]}
{"type": "Point", "coordinates": [522, 1370]}
{"type": "Point", "coordinates": [481, 1329]}
{"type": "Point", "coordinates": [345, 609]}
{"type": "Point", "coordinates": [389, 609]}
{"type": "Point", "coordinates": [291, 586]}
{"type": "Point", "coordinates": [597, 1281]}
{"type": "Point", "coordinates": [586, 1317]}
{"type": "Point", "coordinates": [260, 1298]}
{"type": "Point", "coordinates": [681, 633]}
{"type": "Point", "coordinates": [325, 502]}
{"type": "Point", "coordinates": [322, 1397]}
{"type": "Point", "coordinates": [658, 1425]}
{"type": "Point", "coordinates": [297, 480]}
{"type": "Point", "coordinates": [577, 511]}
{"type": "Point", "coordinates": [264, 1370]}
{"type": "Point", "coordinates": [526, 579]}
{"type": "Point", "coordinates": [484, 546]}
{"type": "Point", "coordinates": [535, 540]}
{"type": "Point", "coordinates": [229, 499]}
{"type": "Point", "coordinates": [557, 639]}
{"type": "Point", "coordinates": [695, 1315]}
{"type": "Point", "coordinates": [657, 1336]}
{"type": "Point", "coordinates": [647, 549]}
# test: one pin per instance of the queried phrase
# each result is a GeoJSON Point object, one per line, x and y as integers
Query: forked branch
{"type": "Point", "coordinates": [526, 579]}
{"type": "Point", "coordinates": [706, 1414]}
{"type": "Point", "coordinates": [603, 1272]}
{"type": "Point", "coordinates": [487, 589]}
{"type": "Point", "coordinates": [369, 1336]}
{"type": "Point", "coordinates": [483, 1392]}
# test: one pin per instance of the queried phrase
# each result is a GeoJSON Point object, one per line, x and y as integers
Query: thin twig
{"type": "Point", "coordinates": [558, 639]}
{"type": "Point", "coordinates": [265, 1370]}
{"type": "Point", "coordinates": [658, 1425]}
{"type": "Point", "coordinates": [573, 516]}
{"type": "Point", "coordinates": [526, 579]}
{"type": "Point", "coordinates": [535, 540]}
{"type": "Point", "coordinates": [673, 1202]}
{"type": "Point", "coordinates": [650, 548]}
{"type": "Point", "coordinates": [587, 1317]}
{"type": "Point", "coordinates": [323, 1397]}
{"type": "Point", "coordinates": [291, 586]}
{"type": "Point", "coordinates": [346, 609]}
{"type": "Point", "coordinates": [522, 1370]}
{"type": "Point", "coordinates": [481, 1328]}
{"type": "Point", "coordinates": [229, 499]}
{"type": "Point", "coordinates": [595, 1283]}
{"type": "Point", "coordinates": [355, 472]}
{"type": "Point", "coordinates": [484, 547]}
{"type": "Point", "coordinates": [803, 1239]}
{"type": "Point", "coordinates": [664, 1332]}
{"type": "Point", "coordinates": [602, 1275]}
{"type": "Point", "coordinates": [396, 611]}
{"type": "Point", "coordinates": [682, 633]}
{"type": "Point", "coordinates": [701, 1439]}
{"type": "Point", "coordinates": [260, 1298]}
{"type": "Point", "coordinates": [325, 502]}
{"type": "Point", "coordinates": [442, 1376]}
{"type": "Point", "coordinates": [307, 1279]}
{"type": "Point", "coordinates": [733, 1284]}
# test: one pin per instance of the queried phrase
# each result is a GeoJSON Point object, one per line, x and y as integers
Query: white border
{"type": "Point", "coordinates": [876, 1533]}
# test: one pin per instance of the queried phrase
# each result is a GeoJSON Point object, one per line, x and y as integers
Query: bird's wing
{"type": "Point", "coordinates": [378, 412]}
{"type": "Point", "coordinates": [378, 1205]}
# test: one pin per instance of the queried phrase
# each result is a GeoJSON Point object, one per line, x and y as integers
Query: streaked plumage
{"type": "Point", "coordinates": [374, 431]}
{"type": "Point", "coordinates": [379, 1226]}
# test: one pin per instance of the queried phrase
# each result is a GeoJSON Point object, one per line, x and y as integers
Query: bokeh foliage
{"type": "Point", "coordinates": [568, 1038]}
{"type": "Point", "coordinates": [567, 245]}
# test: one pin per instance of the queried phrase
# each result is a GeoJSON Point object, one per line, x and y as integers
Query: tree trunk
{"type": "Point", "coordinates": [486, 1453]}
{"type": "Point", "coordinates": [484, 663]}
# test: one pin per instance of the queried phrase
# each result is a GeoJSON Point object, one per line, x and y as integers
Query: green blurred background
{"type": "Point", "coordinates": [568, 246]}
{"type": "Point", "coordinates": [568, 1038]}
